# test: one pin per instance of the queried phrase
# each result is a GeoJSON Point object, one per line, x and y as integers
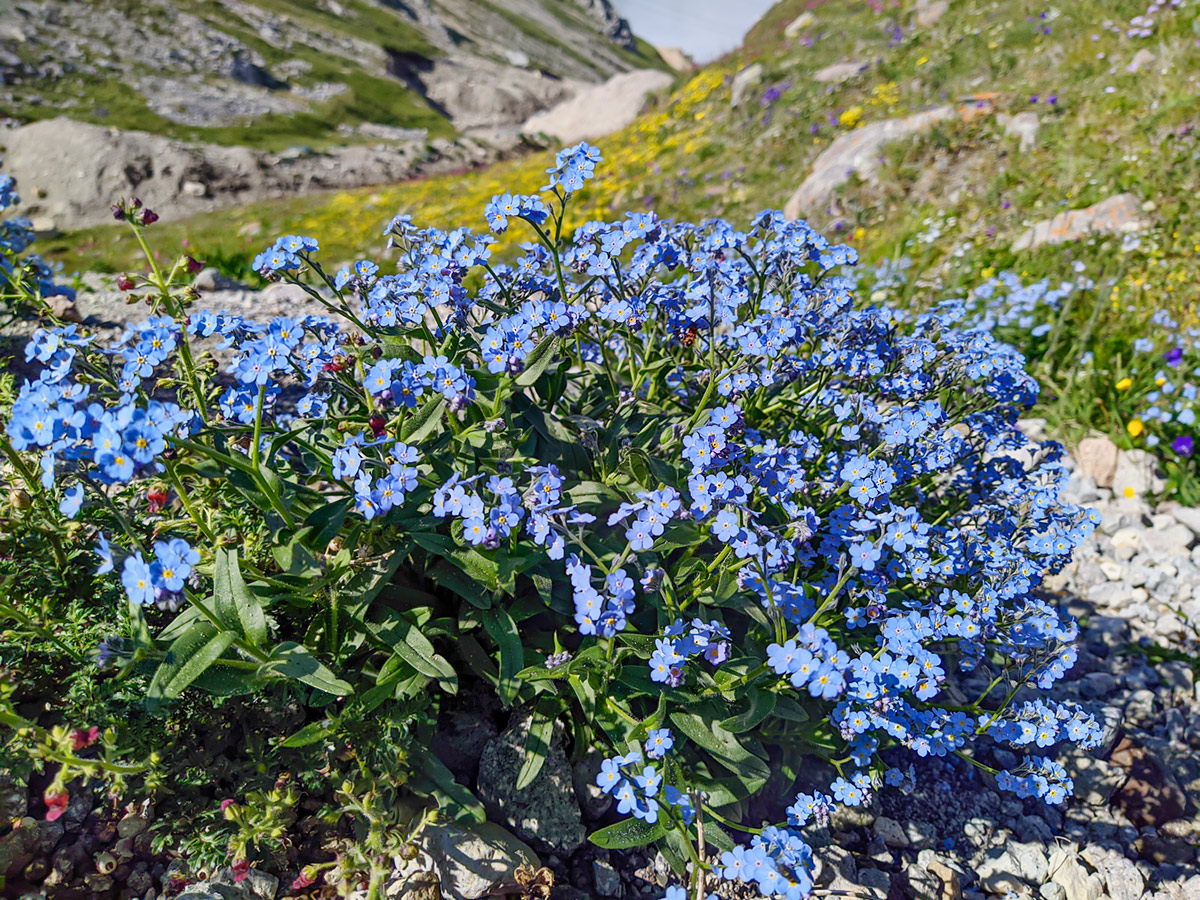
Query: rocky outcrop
{"type": "Point", "coordinates": [71, 172]}
{"type": "Point", "coordinates": [599, 110]}
{"type": "Point", "coordinates": [482, 66]}
{"type": "Point", "coordinates": [1116, 215]}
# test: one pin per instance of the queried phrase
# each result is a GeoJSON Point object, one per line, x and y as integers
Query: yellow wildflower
{"type": "Point", "coordinates": [1124, 384]}
{"type": "Point", "coordinates": [1135, 427]}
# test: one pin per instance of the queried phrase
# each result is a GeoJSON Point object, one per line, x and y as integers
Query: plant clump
{"type": "Point", "coordinates": [664, 481]}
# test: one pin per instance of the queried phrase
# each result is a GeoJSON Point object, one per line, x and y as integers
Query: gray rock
{"type": "Point", "coordinates": [1189, 516]}
{"type": "Point", "coordinates": [836, 73]}
{"type": "Point", "coordinates": [1122, 878]}
{"type": "Point", "coordinates": [1052, 891]}
{"type": "Point", "coordinates": [1097, 685]}
{"type": "Point", "coordinates": [256, 885]}
{"type": "Point", "coordinates": [210, 279]}
{"type": "Point", "coordinates": [460, 739]}
{"type": "Point", "coordinates": [599, 111]}
{"type": "Point", "coordinates": [858, 152]}
{"type": "Point", "coordinates": [877, 881]}
{"type": "Point", "coordinates": [544, 813]}
{"type": "Point", "coordinates": [743, 83]}
{"type": "Point", "coordinates": [592, 800]}
{"type": "Point", "coordinates": [1000, 872]}
{"type": "Point", "coordinates": [892, 832]}
{"type": "Point", "coordinates": [1177, 675]}
{"type": "Point", "coordinates": [1067, 871]}
{"type": "Point", "coordinates": [607, 881]}
{"type": "Point", "coordinates": [473, 861]}
{"type": "Point", "coordinates": [1024, 127]}
{"type": "Point", "coordinates": [1118, 214]}
{"type": "Point", "coordinates": [805, 20]}
{"type": "Point", "coordinates": [1111, 594]}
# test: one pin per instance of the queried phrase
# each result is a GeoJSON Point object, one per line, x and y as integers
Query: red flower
{"type": "Point", "coordinates": [302, 881]}
{"type": "Point", "coordinates": [156, 499]}
{"type": "Point", "coordinates": [81, 738]}
{"type": "Point", "coordinates": [194, 265]}
{"type": "Point", "coordinates": [241, 869]}
{"type": "Point", "coordinates": [378, 425]}
{"type": "Point", "coordinates": [125, 283]}
{"type": "Point", "coordinates": [56, 804]}
{"type": "Point", "coordinates": [226, 803]}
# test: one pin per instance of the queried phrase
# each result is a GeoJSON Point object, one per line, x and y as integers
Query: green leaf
{"type": "Point", "coordinates": [762, 704]}
{"type": "Point", "coordinates": [503, 630]}
{"type": "Point", "coordinates": [309, 734]}
{"type": "Point", "coordinates": [473, 563]}
{"type": "Point", "coordinates": [721, 744]}
{"type": "Point", "coordinates": [292, 660]}
{"type": "Point", "coordinates": [432, 778]}
{"type": "Point", "coordinates": [236, 604]}
{"type": "Point", "coordinates": [787, 708]}
{"type": "Point", "coordinates": [537, 742]}
{"type": "Point", "coordinates": [415, 649]}
{"type": "Point", "coordinates": [629, 833]}
{"type": "Point", "coordinates": [537, 360]}
{"type": "Point", "coordinates": [191, 653]}
{"type": "Point", "coordinates": [420, 425]}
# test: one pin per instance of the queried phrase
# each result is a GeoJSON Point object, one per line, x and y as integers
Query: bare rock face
{"type": "Point", "coordinates": [601, 110]}
{"type": "Point", "coordinates": [74, 171]}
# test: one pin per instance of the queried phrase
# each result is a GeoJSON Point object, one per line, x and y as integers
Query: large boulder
{"type": "Point", "coordinates": [1116, 215]}
{"type": "Point", "coordinates": [598, 111]}
{"type": "Point", "coordinates": [856, 152]}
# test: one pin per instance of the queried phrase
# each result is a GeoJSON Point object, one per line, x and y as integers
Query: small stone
{"type": "Point", "coordinates": [606, 879]}
{"type": "Point", "coordinates": [1077, 883]}
{"type": "Point", "coordinates": [876, 880]}
{"type": "Point", "coordinates": [1052, 891]}
{"type": "Point", "coordinates": [544, 812]}
{"type": "Point", "coordinates": [194, 189]}
{"type": "Point", "coordinates": [1165, 850]}
{"type": "Point", "coordinates": [892, 832]}
{"type": "Point", "coordinates": [950, 876]}
{"type": "Point", "coordinates": [44, 227]}
{"type": "Point", "coordinates": [1000, 873]}
{"type": "Point", "coordinates": [1177, 675]}
{"type": "Point", "coordinates": [1136, 474]}
{"type": "Point", "coordinates": [132, 826]}
{"type": "Point", "coordinates": [100, 884]}
{"type": "Point", "coordinates": [1096, 457]}
{"type": "Point", "coordinates": [836, 73]}
{"type": "Point", "coordinates": [1097, 685]}
{"type": "Point", "coordinates": [1151, 795]}
{"type": "Point", "coordinates": [1024, 127]}
{"type": "Point", "coordinates": [211, 279]}
{"type": "Point", "coordinates": [1122, 878]}
{"type": "Point", "coordinates": [921, 835]}
{"type": "Point", "coordinates": [1118, 214]}
{"type": "Point", "coordinates": [594, 802]}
